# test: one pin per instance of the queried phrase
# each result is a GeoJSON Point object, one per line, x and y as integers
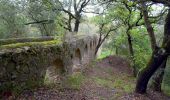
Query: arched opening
{"type": "Point", "coordinates": [59, 66]}
{"type": "Point", "coordinates": [95, 43]}
{"type": "Point", "coordinates": [91, 45]}
{"type": "Point", "coordinates": [54, 72]}
{"type": "Point", "coordinates": [77, 61]}
{"type": "Point", "coordinates": [77, 56]}
{"type": "Point", "coordinates": [86, 55]}
{"type": "Point", "coordinates": [71, 56]}
{"type": "Point", "coordinates": [86, 50]}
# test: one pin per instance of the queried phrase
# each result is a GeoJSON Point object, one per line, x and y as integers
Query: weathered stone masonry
{"type": "Point", "coordinates": [24, 65]}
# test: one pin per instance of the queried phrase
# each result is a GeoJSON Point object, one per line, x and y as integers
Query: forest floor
{"type": "Point", "coordinates": [108, 79]}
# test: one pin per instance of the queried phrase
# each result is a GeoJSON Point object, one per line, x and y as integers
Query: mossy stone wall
{"type": "Point", "coordinates": [24, 65]}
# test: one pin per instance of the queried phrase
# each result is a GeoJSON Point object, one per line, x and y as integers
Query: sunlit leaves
{"type": "Point", "coordinates": [141, 44]}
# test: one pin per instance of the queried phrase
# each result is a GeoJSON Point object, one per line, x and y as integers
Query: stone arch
{"type": "Point", "coordinates": [86, 54]}
{"type": "Point", "coordinates": [78, 57]}
{"type": "Point", "coordinates": [95, 43]}
{"type": "Point", "coordinates": [91, 44]}
{"type": "Point", "coordinates": [86, 49]}
{"type": "Point", "coordinates": [55, 71]}
{"type": "Point", "coordinates": [59, 66]}
{"type": "Point", "coordinates": [71, 56]}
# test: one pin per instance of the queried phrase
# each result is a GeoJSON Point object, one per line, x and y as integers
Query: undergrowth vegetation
{"type": "Point", "coordinates": [75, 81]}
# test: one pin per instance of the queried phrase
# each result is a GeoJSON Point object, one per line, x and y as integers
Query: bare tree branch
{"type": "Point", "coordinates": [40, 22]}
{"type": "Point", "coordinates": [92, 12]}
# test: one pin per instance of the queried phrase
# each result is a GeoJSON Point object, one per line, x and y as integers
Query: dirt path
{"type": "Point", "coordinates": [108, 79]}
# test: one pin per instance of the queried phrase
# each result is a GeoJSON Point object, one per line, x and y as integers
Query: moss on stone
{"type": "Point", "coordinates": [18, 45]}
{"type": "Point", "coordinates": [24, 64]}
{"type": "Point", "coordinates": [23, 40]}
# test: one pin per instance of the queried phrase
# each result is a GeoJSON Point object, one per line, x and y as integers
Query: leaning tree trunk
{"type": "Point", "coordinates": [97, 49]}
{"type": "Point", "coordinates": [158, 77]}
{"type": "Point", "coordinates": [156, 60]}
{"type": "Point", "coordinates": [101, 40]}
{"type": "Point", "coordinates": [155, 83]}
{"type": "Point", "coordinates": [158, 57]}
{"type": "Point", "coordinates": [98, 44]}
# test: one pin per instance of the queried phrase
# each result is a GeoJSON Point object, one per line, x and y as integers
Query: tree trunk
{"type": "Point", "coordinates": [156, 60]}
{"type": "Point", "coordinates": [131, 52]}
{"type": "Point", "coordinates": [116, 51]}
{"type": "Point", "coordinates": [69, 24]}
{"type": "Point", "coordinates": [158, 77]}
{"type": "Point", "coordinates": [76, 26]}
{"type": "Point", "coordinates": [101, 40]}
{"type": "Point", "coordinates": [130, 44]}
{"type": "Point", "coordinates": [97, 48]}
{"type": "Point", "coordinates": [149, 27]}
{"type": "Point", "coordinates": [98, 44]}
{"type": "Point", "coordinates": [158, 57]}
{"type": "Point", "coordinates": [77, 22]}
{"type": "Point", "coordinates": [166, 39]}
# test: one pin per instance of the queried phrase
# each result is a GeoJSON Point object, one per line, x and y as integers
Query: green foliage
{"type": "Point", "coordinates": [105, 23]}
{"type": "Point", "coordinates": [16, 14]}
{"type": "Point", "coordinates": [140, 42]}
{"type": "Point", "coordinates": [141, 45]}
{"type": "Point", "coordinates": [59, 25]}
{"type": "Point", "coordinates": [104, 53]}
{"type": "Point", "coordinates": [38, 11]}
{"type": "Point", "coordinates": [11, 19]}
{"type": "Point", "coordinates": [118, 43]}
{"type": "Point", "coordinates": [142, 49]}
{"type": "Point", "coordinates": [75, 80]}
{"type": "Point", "coordinates": [119, 13]}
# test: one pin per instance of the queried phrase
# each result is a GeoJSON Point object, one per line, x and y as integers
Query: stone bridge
{"type": "Point", "coordinates": [23, 64]}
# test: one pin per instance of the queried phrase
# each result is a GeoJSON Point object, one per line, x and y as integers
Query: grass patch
{"type": "Point", "coordinates": [105, 53]}
{"type": "Point", "coordinates": [18, 45]}
{"type": "Point", "coordinates": [166, 89]}
{"type": "Point", "coordinates": [115, 83]}
{"type": "Point", "coordinates": [124, 85]}
{"type": "Point", "coordinates": [75, 81]}
{"type": "Point", "coordinates": [103, 82]}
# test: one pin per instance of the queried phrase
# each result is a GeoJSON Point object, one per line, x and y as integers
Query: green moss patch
{"type": "Point", "coordinates": [23, 40]}
{"type": "Point", "coordinates": [19, 45]}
